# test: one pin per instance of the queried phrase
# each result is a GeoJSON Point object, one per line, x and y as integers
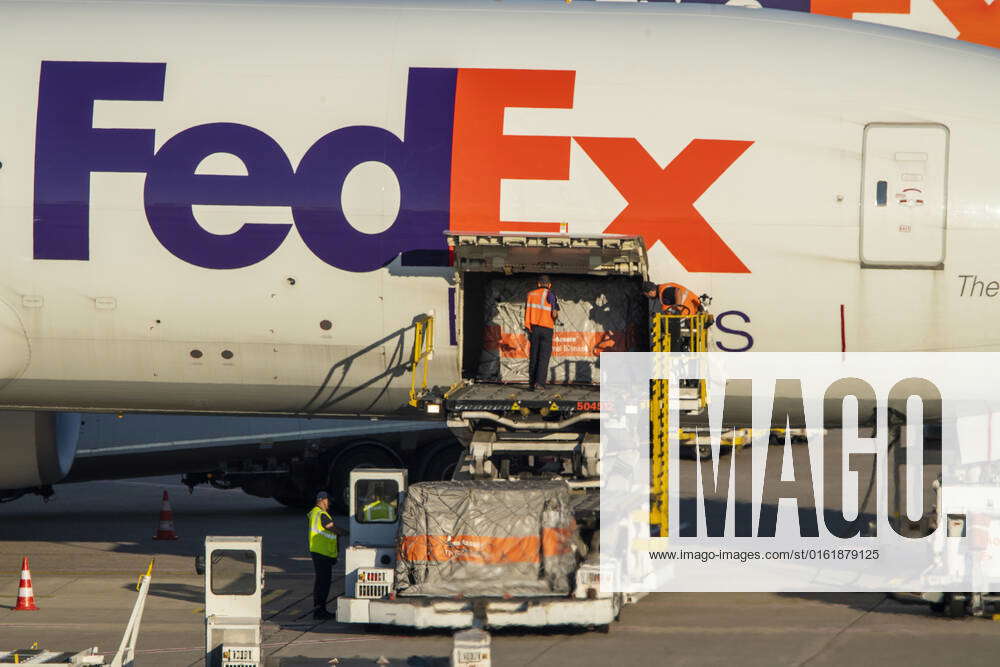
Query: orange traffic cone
{"type": "Point", "coordinates": [166, 529]}
{"type": "Point", "coordinates": [25, 593]}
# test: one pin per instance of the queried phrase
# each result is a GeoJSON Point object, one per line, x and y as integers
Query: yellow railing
{"type": "Point", "coordinates": [659, 416]}
{"type": "Point", "coordinates": [693, 329]}
{"type": "Point", "coordinates": [423, 352]}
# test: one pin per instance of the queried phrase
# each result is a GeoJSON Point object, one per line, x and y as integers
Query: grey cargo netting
{"type": "Point", "coordinates": [595, 315]}
{"type": "Point", "coordinates": [487, 539]}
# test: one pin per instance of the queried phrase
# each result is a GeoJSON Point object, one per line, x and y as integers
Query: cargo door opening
{"type": "Point", "coordinates": [596, 315]}
{"type": "Point", "coordinates": [597, 281]}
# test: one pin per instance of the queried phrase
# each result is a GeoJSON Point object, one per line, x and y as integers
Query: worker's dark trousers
{"type": "Point", "coordinates": [323, 565]}
{"type": "Point", "coordinates": [540, 350]}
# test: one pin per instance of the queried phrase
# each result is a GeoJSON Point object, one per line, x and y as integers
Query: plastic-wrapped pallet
{"type": "Point", "coordinates": [595, 315]}
{"type": "Point", "coordinates": [482, 538]}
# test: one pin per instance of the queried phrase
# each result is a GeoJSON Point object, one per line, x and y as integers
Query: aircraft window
{"type": "Point", "coordinates": [881, 193]}
{"type": "Point", "coordinates": [234, 572]}
{"type": "Point", "coordinates": [375, 500]}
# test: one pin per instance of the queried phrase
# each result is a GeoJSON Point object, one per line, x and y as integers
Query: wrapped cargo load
{"type": "Point", "coordinates": [596, 314]}
{"type": "Point", "coordinates": [487, 538]}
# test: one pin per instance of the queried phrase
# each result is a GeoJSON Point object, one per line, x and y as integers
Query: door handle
{"type": "Point", "coordinates": [881, 193]}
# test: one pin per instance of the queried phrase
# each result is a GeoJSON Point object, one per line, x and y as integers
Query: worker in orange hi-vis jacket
{"type": "Point", "coordinates": [675, 299]}
{"type": "Point", "coordinates": [541, 309]}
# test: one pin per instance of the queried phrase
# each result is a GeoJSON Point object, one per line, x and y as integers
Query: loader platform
{"type": "Point", "coordinates": [498, 397]}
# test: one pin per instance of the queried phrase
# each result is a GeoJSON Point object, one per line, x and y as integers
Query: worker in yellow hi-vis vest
{"type": "Point", "coordinates": [324, 551]}
{"type": "Point", "coordinates": [379, 511]}
{"type": "Point", "coordinates": [379, 504]}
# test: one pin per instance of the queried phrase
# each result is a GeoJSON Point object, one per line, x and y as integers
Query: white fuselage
{"type": "Point", "coordinates": [211, 246]}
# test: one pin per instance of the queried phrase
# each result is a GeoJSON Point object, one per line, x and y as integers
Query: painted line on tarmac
{"type": "Point", "coordinates": [54, 590]}
{"type": "Point", "coordinates": [743, 630]}
{"type": "Point", "coordinates": [186, 649]}
{"type": "Point", "coordinates": [273, 595]}
{"type": "Point", "coordinates": [945, 627]}
{"type": "Point", "coordinates": [337, 579]}
{"type": "Point", "coordinates": [287, 606]}
{"type": "Point", "coordinates": [327, 641]}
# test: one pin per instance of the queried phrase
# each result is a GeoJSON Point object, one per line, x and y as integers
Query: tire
{"type": "Point", "coordinates": [705, 451]}
{"type": "Point", "coordinates": [439, 464]}
{"type": "Point", "coordinates": [368, 454]}
{"type": "Point", "coordinates": [774, 439]}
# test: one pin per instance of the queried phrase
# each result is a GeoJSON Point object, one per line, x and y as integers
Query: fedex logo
{"type": "Point", "coordinates": [449, 164]}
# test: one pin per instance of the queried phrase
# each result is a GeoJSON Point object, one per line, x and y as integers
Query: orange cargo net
{"type": "Point", "coordinates": [564, 343]}
{"type": "Point", "coordinates": [485, 550]}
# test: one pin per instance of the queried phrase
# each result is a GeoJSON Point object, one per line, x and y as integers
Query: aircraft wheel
{"type": "Point", "coordinates": [440, 463]}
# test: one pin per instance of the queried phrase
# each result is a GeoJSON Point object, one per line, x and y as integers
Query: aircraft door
{"type": "Point", "coordinates": [904, 195]}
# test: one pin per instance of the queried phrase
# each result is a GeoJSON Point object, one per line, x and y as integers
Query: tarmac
{"type": "Point", "coordinates": [90, 543]}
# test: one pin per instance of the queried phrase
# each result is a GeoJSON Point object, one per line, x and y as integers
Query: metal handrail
{"type": "Point", "coordinates": [423, 352]}
{"type": "Point", "coordinates": [697, 325]}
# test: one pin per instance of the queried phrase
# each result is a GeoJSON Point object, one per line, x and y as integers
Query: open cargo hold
{"type": "Point", "coordinates": [487, 538]}
{"type": "Point", "coordinates": [597, 280]}
{"type": "Point", "coordinates": [595, 315]}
